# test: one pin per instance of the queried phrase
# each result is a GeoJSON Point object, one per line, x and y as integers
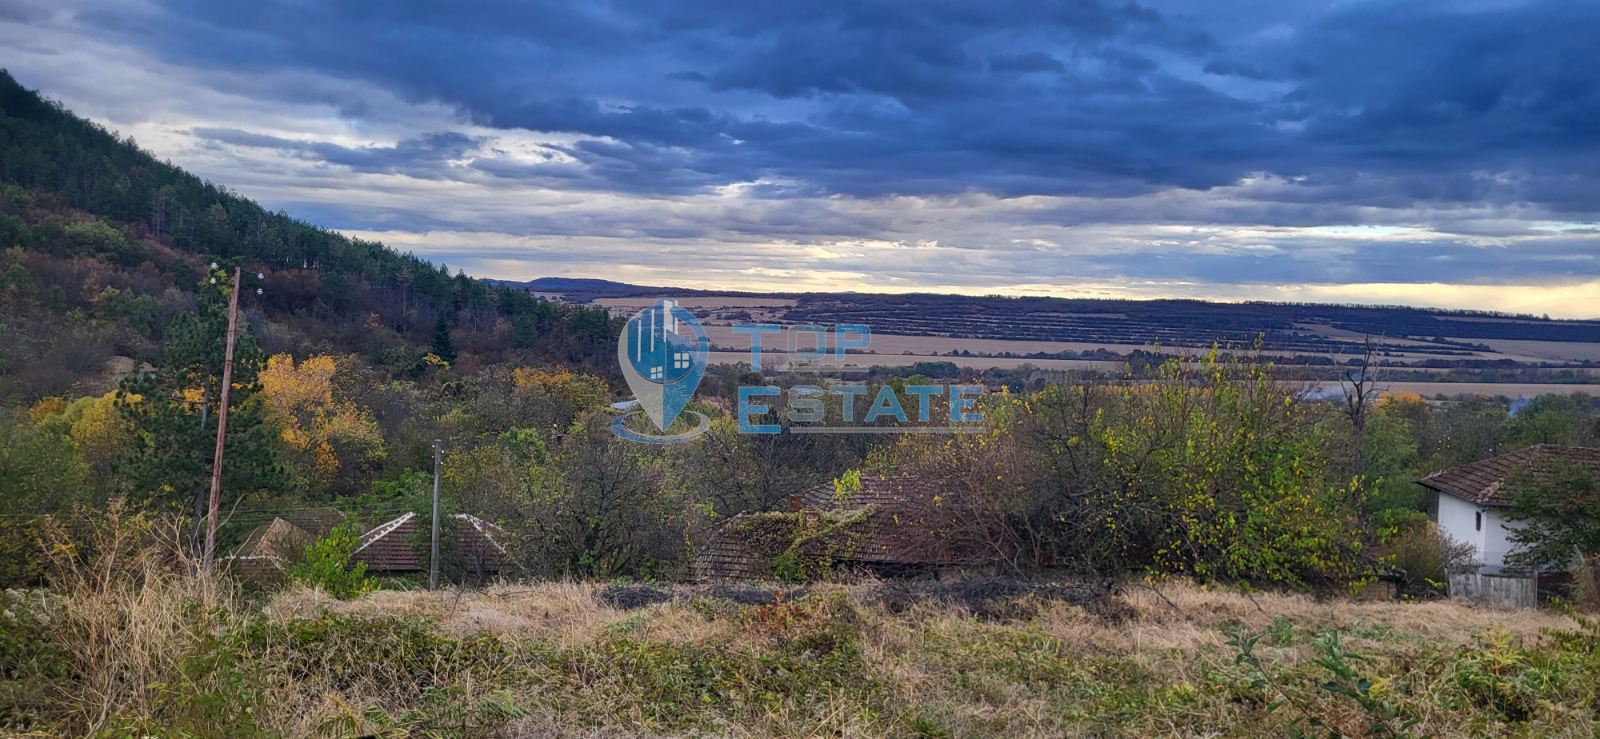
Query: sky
{"type": "Point", "coordinates": [1424, 153]}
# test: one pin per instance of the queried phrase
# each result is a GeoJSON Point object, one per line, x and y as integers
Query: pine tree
{"type": "Point", "coordinates": [443, 347]}
{"type": "Point", "coordinates": [174, 412]}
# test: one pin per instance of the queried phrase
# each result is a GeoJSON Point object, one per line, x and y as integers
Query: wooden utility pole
{"type": "Point", "coordinates": [222, 427]}
{"type": "Point", "coordinates": [433, 560]}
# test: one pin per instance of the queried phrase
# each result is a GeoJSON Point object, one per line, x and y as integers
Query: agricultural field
{"type": "Point", "coordinates": [1306, 341]}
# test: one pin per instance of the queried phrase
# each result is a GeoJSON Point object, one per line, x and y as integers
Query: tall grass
{"type": "Point", "coordinates": [130, 615]}
{"type": "Point", "coordinates": [127, 642]}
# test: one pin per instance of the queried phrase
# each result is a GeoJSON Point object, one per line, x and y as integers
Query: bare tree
{"type": "Point", "coordinates": [1361, 386]}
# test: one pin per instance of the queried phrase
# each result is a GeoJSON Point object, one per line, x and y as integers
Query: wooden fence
{"type": "Point", "coordinates": [1519, 591]}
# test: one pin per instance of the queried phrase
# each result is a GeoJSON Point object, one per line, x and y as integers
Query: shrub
{"type": "Point", "coordinates": [328, 566]}
{"type": "Point", "coordinates": [1423, 558]}
{"type": "Point", "coordinates": [32, 667]}
{"type": "Point", "coordinates": [1216, 471]}
{"type": "Point", "coordinates": [801, 547]}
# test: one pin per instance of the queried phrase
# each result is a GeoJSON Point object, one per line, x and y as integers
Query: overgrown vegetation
{"type": "Point", "coordinates": [327, 564]}
{"type": "Point", "coordinates": [124, 643]}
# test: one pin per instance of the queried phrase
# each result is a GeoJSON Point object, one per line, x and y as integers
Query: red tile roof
{"type": "Point", "coordinates": [315, 521]}
{"type": "Point", "coordinates": [1484, 481]}
{"type": "Point", "coordinates": [269, 549]}
{"type": "Point", "coordinates": [728, 556]}
{"type": "Point", "coordinates": [389, 547]}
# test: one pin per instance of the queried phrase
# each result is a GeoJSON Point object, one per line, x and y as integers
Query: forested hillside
{"type": "Point", "coordinates": [104, 246]}
{"type": "Point", "coordinates": [114, 278]}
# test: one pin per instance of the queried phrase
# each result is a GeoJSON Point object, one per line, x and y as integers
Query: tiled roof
{"type": "Point", "coordinates": [903, 527]}
{"type": "Point", "coordinates": [1484, 481]}
{"type": "Point", "coordinates": [389, 546]}
{"type": "Point", "coordinates": [727, 556]}
{"type": "Point", "coordinates": [894, 491]}
{"type": "Point", "coordinates": [269, 548]}
{"type": "Point", "coordinates": [315, 521]}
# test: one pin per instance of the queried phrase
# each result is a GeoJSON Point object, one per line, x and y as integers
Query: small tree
{"type": "Point", "coordinates": [328, 566]}
{"type": "Point", "coordinates": [443, 347]}
{"type": "Point", "coordinates": [1360, 385]}
{"type": "Point", "coordinates": [1560, 516]}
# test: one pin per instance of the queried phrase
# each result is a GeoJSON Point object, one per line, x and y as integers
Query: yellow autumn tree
{"type": "Point", "coordinates": [555, 397]}
{"type": "Point", "coordinates": [331, 436]}
{"type": "Point", "coordinates": [1405, 399]}
{"type": "Point", "coordinates": [99, 430]}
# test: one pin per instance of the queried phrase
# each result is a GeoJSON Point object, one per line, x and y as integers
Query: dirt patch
{"type": "Point", "coordinates": [630, 597]}
{"type": "Point", "coordinates": [993, 599]}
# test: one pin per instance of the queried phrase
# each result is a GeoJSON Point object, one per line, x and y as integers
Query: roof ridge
{"type": "Point", "coordinates": [382, 530]}
{"type": "Point", "coordinates": [478, 524]}
{"type": "Point", "coordinates": [1482, 481]}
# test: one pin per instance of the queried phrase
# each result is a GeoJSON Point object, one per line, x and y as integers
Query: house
{"type": "Point", "coordinates": [269, 550]}
{"type": "Point", "coordinates": [891, 526]}
{"type": "Point", "coordinates": [1471, 508]}
{"type": "Point", "coordinates": [398, 546]}
{"type": "Point", "coordinates": [317, 521]}
{"type": "Point", "coordinates": [1473, 498]}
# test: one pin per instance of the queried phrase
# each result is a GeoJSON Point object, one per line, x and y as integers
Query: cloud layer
{"type": "Point", "coordinates": [1399, 152]}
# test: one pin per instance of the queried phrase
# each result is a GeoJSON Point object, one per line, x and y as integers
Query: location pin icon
{"type": "Point", "coordinates": [663, 352]}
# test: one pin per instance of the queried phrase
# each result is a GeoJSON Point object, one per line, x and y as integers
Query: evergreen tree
{"type": "Point", "coordinates": [174, 413]}
{"type": "Point", "coordinates": [443, 347]}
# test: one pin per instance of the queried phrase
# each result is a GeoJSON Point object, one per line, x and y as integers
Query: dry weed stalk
{"type": "Point", "coordinates": [131, 609]}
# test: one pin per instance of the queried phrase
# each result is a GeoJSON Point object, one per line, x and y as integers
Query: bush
{"type": "Point", "coordinates": [1423, 558]}
{"type": "Point", "coordinates": [32, 666]}
{"type": "Point", "coordinates": [328, 566]}
{"type": "Point", "coordinates": [1216, 471]}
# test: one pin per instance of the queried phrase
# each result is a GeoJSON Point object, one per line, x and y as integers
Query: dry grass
{"type": "Point", "coordinates": [564, 613]}
{"type": "Point", "coordinates": [938, 658]}
{"type": "Point", "coordinates": [131, 612]}
{"type": "Point", "coordinates": [554, 659]}
{"type": "Point", "coordinates": [1174, 615]}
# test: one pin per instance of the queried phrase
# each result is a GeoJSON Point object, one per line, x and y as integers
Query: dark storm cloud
{"type": "Point", "coordinates": [948, 142]}
{"type": "Point", "coordinates": [1012, 98]}
{"type": "Point", "coordinates": [417, 156]}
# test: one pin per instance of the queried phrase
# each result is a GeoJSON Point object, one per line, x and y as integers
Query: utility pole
{"type": "Point", "coordinates": [222, 427]}
{"type": "Point", "coordinates": [195, 545]}
{"type": "Point", "coordinates": [433, 561]}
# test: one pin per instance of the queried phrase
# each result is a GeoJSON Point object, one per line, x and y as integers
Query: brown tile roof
{"type": "Point", "coordinates": [316, 521]}
{"type": "Point", "coordinates": [269, 549]}
{"type": "Point", "coordinates": [388, 547]}
{"type": "Point", "coordinates": [1484, 481]}
{"type": "Point", "coordinates": [903, 527]}
{"type": "Point", "coordinates": [728, 556]}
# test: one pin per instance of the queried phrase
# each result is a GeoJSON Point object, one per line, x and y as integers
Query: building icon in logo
{"type": "Point", "coordinates": [662, 351]}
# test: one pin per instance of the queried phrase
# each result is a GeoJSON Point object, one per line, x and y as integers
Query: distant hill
{"type": "Point", "coordinates": [583, 288]}
{"type": "Point", "coordinates": [1444, 337]}
{"type": "Point", "coordinates": [577, 286]}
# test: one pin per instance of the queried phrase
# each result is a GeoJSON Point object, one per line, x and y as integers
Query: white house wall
{"type": "Point", "coordinates": [1496, 532]}
{"type": "Point", "coordinates": [1458, 520]}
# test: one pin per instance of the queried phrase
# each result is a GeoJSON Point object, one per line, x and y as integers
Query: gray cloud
{"type": "Point", "coordinates": [1005, 144]}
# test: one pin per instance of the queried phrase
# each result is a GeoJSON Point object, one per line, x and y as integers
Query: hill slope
{"type": "Point", "coordinates": [101, 245]}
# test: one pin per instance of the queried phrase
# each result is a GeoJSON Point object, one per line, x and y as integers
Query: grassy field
{"type": "Point", "coordinates": [976, 658]}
